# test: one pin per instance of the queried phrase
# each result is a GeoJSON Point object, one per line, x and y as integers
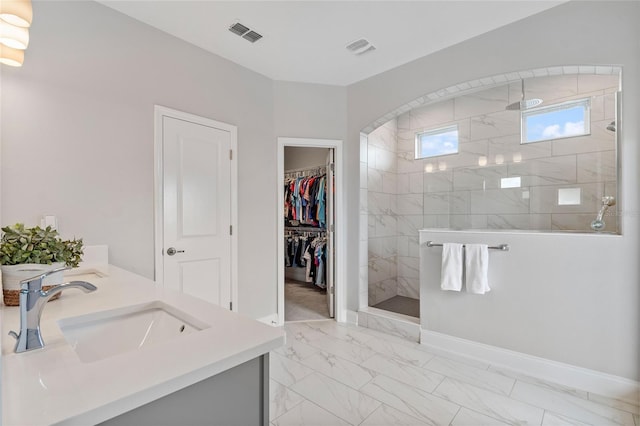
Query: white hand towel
{"type": "Point", "coordinates": [451, 267]}
{"type": "Point", "coordinates": [477, 268]}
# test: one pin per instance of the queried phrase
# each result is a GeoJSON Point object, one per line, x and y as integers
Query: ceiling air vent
{"type": "Point", "coordinates": [245, 32]}
{"type": "Point", "coordinates": [360, 46]}
{"type": "Point", "coordinates": [252, 36]}
{"type": "Point", "coordinates": [238, 29]}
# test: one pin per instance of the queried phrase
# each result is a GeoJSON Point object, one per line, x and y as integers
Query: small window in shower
{"type": "Point", "coordinates": [564, 120]}
{"type": "Point", "coordinates": [436, 142]}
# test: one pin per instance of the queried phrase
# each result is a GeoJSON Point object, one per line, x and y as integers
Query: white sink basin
{"type": "Point", "coordinates": [104, 334]}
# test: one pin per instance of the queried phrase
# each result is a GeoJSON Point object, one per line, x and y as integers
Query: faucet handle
{"type": "Point", "coordinates": [35, 282]}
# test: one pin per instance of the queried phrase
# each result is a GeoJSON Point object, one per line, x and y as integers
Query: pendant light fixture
{"type": "Point", "coordinates": [15, 20]}
{"type": "Point", "coordinates": [17, 12]}
{"type": "Point", "coordinates": [12, 36]}
{"type": "Point", "coordinates": [10, 56]}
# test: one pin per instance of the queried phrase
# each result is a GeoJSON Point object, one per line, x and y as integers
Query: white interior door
{"type": "Point", "coordinates": [197, 210]}
{"type": "Point", "coordinates": [330, 234]}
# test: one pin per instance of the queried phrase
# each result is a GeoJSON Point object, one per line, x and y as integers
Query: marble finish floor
{"type": "Point", "coordinates": [335, 374]}
{"type": "Point", "coordinates": [304, 301]}
{"type": "Point", "coordinates": [401, 305]}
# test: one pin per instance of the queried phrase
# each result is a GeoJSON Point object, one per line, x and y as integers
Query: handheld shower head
{"type": "Point", "coordinates": [607, 201]}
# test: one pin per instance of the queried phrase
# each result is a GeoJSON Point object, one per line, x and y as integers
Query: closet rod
{"type": "Point", "coordinates": [321, 168]}
{"type": "Point", "coordinates": [305, 228]}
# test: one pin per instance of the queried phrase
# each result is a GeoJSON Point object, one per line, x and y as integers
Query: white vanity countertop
{"type": "Point", "coordinates": [52, 386]}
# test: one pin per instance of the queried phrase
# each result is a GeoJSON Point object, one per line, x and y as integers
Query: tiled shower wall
{"type": "Point", "coordinates": [382, 213]}
{"type": "Point", "coordinates": [402, 197]}
{"type": "Point", "coordinates": [460, 194]}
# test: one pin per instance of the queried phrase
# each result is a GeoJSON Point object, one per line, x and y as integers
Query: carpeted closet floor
{"type": "Point", "coordinates": [304, 301]}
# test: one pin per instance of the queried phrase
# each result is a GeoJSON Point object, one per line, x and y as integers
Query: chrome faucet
{"type": "Point", "coordinates": [32, 301]}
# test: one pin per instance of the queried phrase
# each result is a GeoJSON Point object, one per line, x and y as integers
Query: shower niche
{"type": "Point", "coordinates": [531, 151]}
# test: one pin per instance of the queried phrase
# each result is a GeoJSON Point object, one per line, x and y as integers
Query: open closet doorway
{"type": "Point", "coordinates": [309, 230]}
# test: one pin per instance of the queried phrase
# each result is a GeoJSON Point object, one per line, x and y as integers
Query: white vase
{"type": "Point", "coordinates": [13, 274]}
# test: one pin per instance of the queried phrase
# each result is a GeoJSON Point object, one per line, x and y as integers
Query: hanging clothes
{"type": "Point", "coordinates": [309, 252]}
{"type": "Point", "coordinates": [305, 200]}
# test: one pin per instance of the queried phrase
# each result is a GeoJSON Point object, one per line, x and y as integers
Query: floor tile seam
{"type": "Point", "coordinates": [341, 339]}
{"type": "Point", "coordinates": [324, 349]}
{"type": "Point", "coordinates": [334, 414]}
{"type": "Point", "coordinates": [348, 386]}
{"type": "Point", "coordinates": [356, 390]}
{"type": "Point", "coordinates": [508, 395]}
{"type": "Point", "coordinates": [455, 415]}
{"type": "Point", "coordinates": [356, 329]}
{"type": "Point", "coordinates": [487, 414]}
{"type": "Point", "coordinates": [461, 359]}
{"type": "Point", "coordinates": [294, 405]}
{"type": "Point", "coordinates": [637, 407]}
{"type": "Point", "coordinates": [563, 415]}
{"type": "Point", "coordinates": [513, 387]}
{"type": "Point", "coordinates": [346, 360]}
{"type": "Point", "coordinates": [492, 417]}
{"type": "Point", "coordinates": [435, 357]}
{"type": "Point", "coordinates": [301, 401]}
{"type": "Point", "coordinates": [316, 350]}
{"type": "Point", "coordinates": [398, 359]}
{"type": "Point", "coordinates": [492, 392]}
{"type": "Point", "coordinates": [386, 405]}
{"type": "Point", "coordinates": [303, 365]}
{"type": "Point", "coordinates": [444, 376]}
{"type": "Point", "coordinates": [572, 405]}
{"type": "Point", "coordinates": [421, 390]}
{"type": "Point", "coordinates": [412, 414]}
{"type": "Point", "coordinates": [596, 403]}
{"type": "Point", "coordinates": [370, 414]}
{"type": "Point", "coordinates": [390, 337]}
{"type": "Point", "coordinates": [553, 386]}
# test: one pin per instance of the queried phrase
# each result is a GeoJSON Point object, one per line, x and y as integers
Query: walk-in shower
{"type": "Point", "coordinates": [455, 159]}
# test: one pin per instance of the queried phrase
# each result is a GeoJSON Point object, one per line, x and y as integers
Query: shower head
{"type": "Point", "coordinates": [523, 103]}
{"type": "Point", "coordinates": [612, 126]}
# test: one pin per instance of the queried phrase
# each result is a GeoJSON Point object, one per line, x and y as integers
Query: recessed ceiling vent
{"type": "Point", "coordinates": [245, 32]}
{"type": "Point", "coordinates": [360, 46]}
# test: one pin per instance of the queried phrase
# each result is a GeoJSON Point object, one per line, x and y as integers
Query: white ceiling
{"type": "Point", "coordinates": [305, 40]}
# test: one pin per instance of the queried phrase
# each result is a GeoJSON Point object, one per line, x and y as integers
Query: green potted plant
{"type": "Point", "coordinates": [26, 252]}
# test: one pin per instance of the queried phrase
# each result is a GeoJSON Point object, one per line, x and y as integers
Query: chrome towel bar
{"type": "Point", "coordinates": [501, 247]}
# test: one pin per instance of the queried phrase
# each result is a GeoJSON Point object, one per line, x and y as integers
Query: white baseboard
{"type": "Point", "coordinates": [270, 320]}
{"type": "Point", "coordinates": [553, 371]}
{"type": "Point", "coordinates": [352, 317]}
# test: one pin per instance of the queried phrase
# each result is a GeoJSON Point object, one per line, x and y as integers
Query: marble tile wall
{"type": "Point", "coordinates": [459, 192]}
{"type": "Point", "coordinates": [464, 191]}
{"type": "Point", "coordinates": [382, 212]}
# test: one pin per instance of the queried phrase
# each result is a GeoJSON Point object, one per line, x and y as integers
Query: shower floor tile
{"type": "Point", "coordinates": [401, 305]}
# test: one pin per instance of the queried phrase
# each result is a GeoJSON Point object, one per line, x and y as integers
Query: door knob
{"type": "Point", "coordinates": [172, 250]}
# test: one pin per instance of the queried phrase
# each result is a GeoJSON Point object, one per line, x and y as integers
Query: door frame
{"type": "Point", "coordinates": [158, 192]}
{"type": "Point", "coordinates": [340, 225]}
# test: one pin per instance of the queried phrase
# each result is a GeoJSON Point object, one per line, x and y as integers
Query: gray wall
{"type": "Point", "coordinates": [77, 135]}
{"type": "Point", "coordinates": [310, 110]}
{"type": "Point", "coordinates": [296, 157]}
{"type": "Point", "coordinates": [572, 33]}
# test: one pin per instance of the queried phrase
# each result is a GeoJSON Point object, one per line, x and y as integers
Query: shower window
{"type": "Point", "coordinates": [564, 120]}
{"type": "Point", "coordinates": [437, 142]}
